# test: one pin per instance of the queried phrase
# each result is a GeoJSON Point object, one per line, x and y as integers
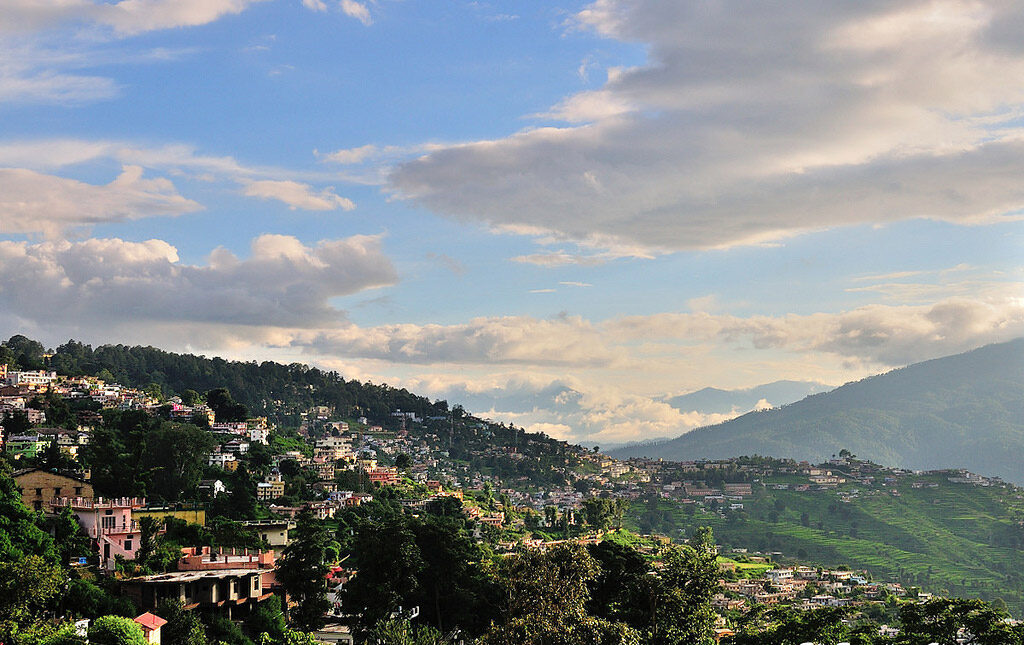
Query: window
{"type": "Point", "coordinates": [127, 545]}
{"type": "Point", "coordinates": [39, 492]}
{"type": "Point", "coordinates": [78, 491]}
{"type": "Point", "coordinates": [108, 522]}
{"type": "Point", "coordinates": [56, 491]}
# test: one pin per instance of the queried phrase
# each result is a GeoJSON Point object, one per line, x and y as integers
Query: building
{"type": "Point", "coordinates": [26, 445]}
{"type": "Point", "coordinates": [384, 476]}
{"type": "Point", "coordinates": [39, 487]}
{"type": "Point", "coordinates": [150, 624]}
{"type": "Point", "coordinates": [273, 532]}
{"type": "Point", "coordinates": [38, 378]}
{"type": "Point", "coordinates": [223, 460]}
{"type": "Point", "coordinates": [191, 513]}
{"type": "Point", "coordinates": [211, 488]}
{"type": "Point", "coordinates": [108, 523]}
{"type": "Point", "coordinates": [270, 489]}
{"type": "Point", "coordinates": [218, 589]}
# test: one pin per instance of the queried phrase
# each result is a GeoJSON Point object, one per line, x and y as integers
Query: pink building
{"type": "Point", "coordinates": [108, 523]}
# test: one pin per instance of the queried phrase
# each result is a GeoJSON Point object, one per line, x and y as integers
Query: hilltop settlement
{"type": "Point", "coordinates": [321, 510]}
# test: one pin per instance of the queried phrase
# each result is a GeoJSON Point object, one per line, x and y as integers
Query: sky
{"type": "Point", "coordinates": [560, 214]}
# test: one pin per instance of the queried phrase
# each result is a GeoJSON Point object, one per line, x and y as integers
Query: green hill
{"type": "Point", "coordinates": [959, 411]}
{"type": "Point", "coordinates": [948, 538]}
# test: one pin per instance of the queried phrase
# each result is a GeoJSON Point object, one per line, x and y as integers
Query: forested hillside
{"type": "Point", "coordinates": [267, 388]}
{"type": "Point", "coordinates": [959, 411]}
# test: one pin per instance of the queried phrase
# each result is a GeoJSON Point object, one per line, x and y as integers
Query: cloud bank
{"type": "Point", "coordinates": [753, 122]}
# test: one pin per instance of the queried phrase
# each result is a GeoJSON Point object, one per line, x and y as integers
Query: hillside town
{"type": "Point", "coordinates": [514, 490]}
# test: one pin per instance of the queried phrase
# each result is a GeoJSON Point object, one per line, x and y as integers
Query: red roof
{"type": "Point", "coordinates": [150, 621]}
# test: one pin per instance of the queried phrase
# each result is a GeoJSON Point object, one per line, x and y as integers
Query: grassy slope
{"type": "Point", "coordinates": [951, 540]}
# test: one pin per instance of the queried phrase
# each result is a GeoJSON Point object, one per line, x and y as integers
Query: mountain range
{"type": "Point", "coordinates": [963, 411]}
{"type": "Point", "coordinates": [711, 400]}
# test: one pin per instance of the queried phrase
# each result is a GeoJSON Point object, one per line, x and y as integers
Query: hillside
{"type": "Point", "coordinates": [959, 411]}
{"type": "Point", "coordinates": [919, 530]}
{"type": "Point", "coordinates": [270, 389]}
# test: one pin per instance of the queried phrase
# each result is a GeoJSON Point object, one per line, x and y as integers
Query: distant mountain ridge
{"type": "Point", "coordinates": [711, 400]}
{"type": "Point", "coordinates": [964, 411]}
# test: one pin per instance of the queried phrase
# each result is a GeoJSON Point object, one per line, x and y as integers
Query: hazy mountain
{"type": "Point", "coordinates": [713, 400]}
{"type": "Point", "coordinates": [959, 411]}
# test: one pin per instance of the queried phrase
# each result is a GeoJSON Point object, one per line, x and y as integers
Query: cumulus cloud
{"type": "Point", "coordinates": [32, 202]}
{"type": "Point", "coordinates": [176, 159]}
{"type": "Point", "coordinates": [298, 195]}
{"type": "Point", "coordinates": [565, 407]}
{"type": "Point", "coordinates": [127, 17]}
{"type": "Point", "coordinates": [356, 10]}
{"type": "Point", "coordinates": [751, 123]}
{"type": "Point", "coordinates": [564, 340]}
{"type": "Point", "coordinates": [890, 335]}
{"type": "Point", "coordinates": [99, 282]}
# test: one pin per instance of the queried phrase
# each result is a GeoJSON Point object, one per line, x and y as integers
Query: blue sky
{"type": "Point", "coordinates": [559, 214]}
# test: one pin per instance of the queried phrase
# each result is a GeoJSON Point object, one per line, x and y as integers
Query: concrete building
{"type": "Point", "coordinates": [39, 487]}
{"type": "Point", "coordinates": [108, 523]}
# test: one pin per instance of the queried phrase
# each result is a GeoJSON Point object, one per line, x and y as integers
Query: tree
{"type": "Point", "coordinates": [389, 564]}
{"type": "Point", "coordinates": [546, 602]}
{"type": "Point", "coordinates": [190, 397]}
{"type": "Point", "coordinates": [940, 621]}
{"type": "Point", "coordinates": [115, 630]}
{"type": "Point", "coordinates": [398, 631]}
{"type": "Point", "coordinates": [27, 588]}
{"type": "Point", "coordinates": [403, 461]}
{"type": "Point", "coordinates": [225, 408]}
{"type": "Point", "coordinates": [268, 619]}
{"type": "Point", "coordinates": [302, 569]}
{"type": "Point", "coordinates": [20, 533]}
{"type": "Point", "coordinates": [622, 588]}
{"type": "Point", "coordinates": [183, 627]}
{"type": "Point", "coordinates": [683, 613]}
{"type": "Point", "coordinates": [68, 535]}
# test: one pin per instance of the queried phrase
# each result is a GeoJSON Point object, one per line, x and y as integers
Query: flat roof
{"type": "Point", "coordinates": [192, 576]}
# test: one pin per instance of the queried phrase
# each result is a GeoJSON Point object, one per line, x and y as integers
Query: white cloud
{"type": "Point", "coordinates": [885, 335]}
{"type": "Point", "coordinates": [315, 5]}
{"type": "Point", "coordinates": [565, 340]}
{"type": "Point", "coordinates": [298, 195]}
{"type": "Point", "coordinates": [753, 122]}
{"type": "Point", "coordinates": [353, 155]}
{"type": "Point", "coordinates": [32, 202]}
{"type": "Point", "coordinates": [127, 17]}
{"type": "Point", "coordinates": [175, 159]}
{"type": "Point", "coordinates": [96, 284]}
{"type": "Point", "coordinates": [356, 10]}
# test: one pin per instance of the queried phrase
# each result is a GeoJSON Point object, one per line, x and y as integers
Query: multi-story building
{"type": "Point", "coordinates": [39, 487]}
{"type": "Point", "coordinates": [108, 523]}
{"type": "Point", "coordinates": [36, 378]}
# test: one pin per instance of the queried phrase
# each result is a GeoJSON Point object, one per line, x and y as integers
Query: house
{"type": "Point", "coordinates": [151, 624]}
{"type": "Point", "coordinates": [384, 476]}
{"type": "Point", "coordinates": [271, 488]}
{"type": "Point", "coordinates": [40, 486]}
{"type": "Point", "coordinates": [211, 487]}
{"type": "Point", "coordinates": [108, 523]}
{"type": "Point", "coordinates": [27, 445]}
{"type": "Point", "coordinates": [210, 590]}
{"type": "Point", "coordinates": [273, 532]}
{"type": "Point", "coordinates": [37, 378]}
{"type": "Point", "coordinates": [223, 460]}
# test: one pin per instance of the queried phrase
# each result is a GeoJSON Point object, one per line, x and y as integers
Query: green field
{"type": "Point", "coordinates": [955, 539]}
